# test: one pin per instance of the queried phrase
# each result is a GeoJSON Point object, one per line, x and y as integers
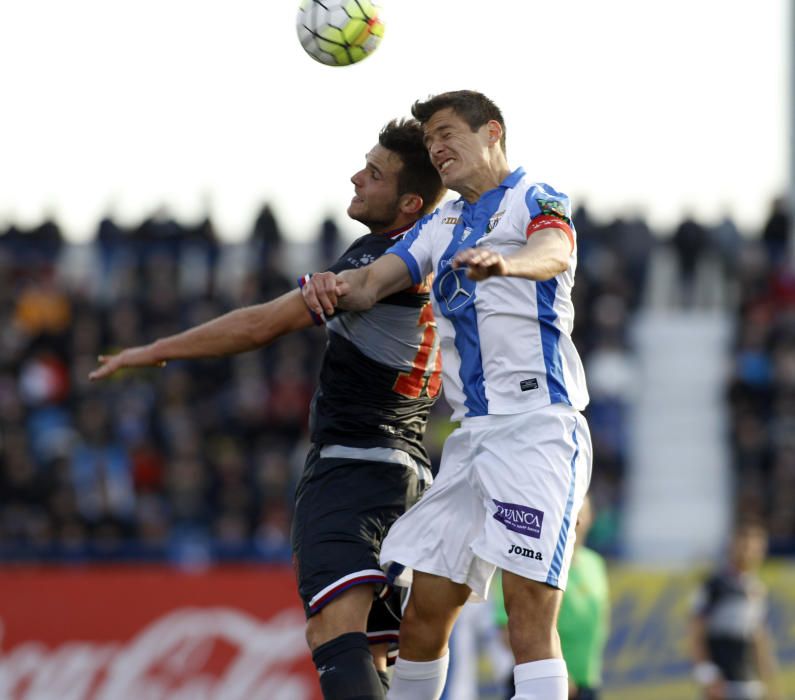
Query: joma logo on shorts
{"type": "Point", "coordinates": [525, 552]}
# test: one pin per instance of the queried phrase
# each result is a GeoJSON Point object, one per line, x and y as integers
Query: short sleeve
{"type": "Point", "coordinates": [548, 208]}
{"type": "Point", "coordinates": [415, 249]}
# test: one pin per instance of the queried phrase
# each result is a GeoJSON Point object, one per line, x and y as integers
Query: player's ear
{"type": "Point", "coordinates": [495, 131]}
{"type": "Point", "coordinates": [411, 203]}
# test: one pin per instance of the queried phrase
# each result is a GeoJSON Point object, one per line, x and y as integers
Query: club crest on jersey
{"type": "Point", "coordinates": [552, 207]}
{"type": "Point", "coordinates": [518, 518]}
{"type": "Point", "coordinates": [467, 233]}
{"type": "Point", "coordinates": [493, 221]}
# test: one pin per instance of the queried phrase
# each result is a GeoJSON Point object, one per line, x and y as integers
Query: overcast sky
{"type": "Point", "coordinates": [651, 107]}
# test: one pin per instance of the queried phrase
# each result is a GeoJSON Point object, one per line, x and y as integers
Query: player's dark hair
{"type": "Point", "coordinates": [473, 107]}
{"type": "Point", "coordinates": [406, 138]}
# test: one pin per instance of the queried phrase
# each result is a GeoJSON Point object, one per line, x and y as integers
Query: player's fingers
{"type": "Point", "coordinates": [311, 300]}
{"type": "Point", "coordinates": [462, 258]}
{"type": "Point", "coordinates": [326, 296]}
{"type": "Point", "coordinates": [100, 372]}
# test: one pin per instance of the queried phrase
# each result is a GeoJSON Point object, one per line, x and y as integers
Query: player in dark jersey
{"type": "Point", "coordinates": [379, 377]}
{"type": "Point", "coordinates": [729, 636]}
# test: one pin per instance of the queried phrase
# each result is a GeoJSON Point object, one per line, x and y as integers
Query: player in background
{"type": "Point", "coordinates": [514, 474]}
{"type": "Point", "coordinates": [730, 644]}
{"type": "Point", "coordinates": [379, 377]}
{"type": "Point", "coordinates": [584, 618]}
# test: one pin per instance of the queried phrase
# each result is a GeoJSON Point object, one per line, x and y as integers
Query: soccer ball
{"type": "Point", "coordinates": [339, 32]}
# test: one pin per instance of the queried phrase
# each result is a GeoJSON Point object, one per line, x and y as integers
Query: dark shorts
{"type": "Point", "coordinates": [343, 510]}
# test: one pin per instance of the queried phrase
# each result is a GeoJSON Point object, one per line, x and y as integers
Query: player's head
{"type": "Point", "coordinates": [748, 545]}
{"type": "Point", "coordinates": [464, 133]}
{"type": "Point", "coordinates": [398, 183]}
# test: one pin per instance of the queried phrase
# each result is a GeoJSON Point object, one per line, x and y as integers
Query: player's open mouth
{"type": "Point", "coordinates": [446, 164]}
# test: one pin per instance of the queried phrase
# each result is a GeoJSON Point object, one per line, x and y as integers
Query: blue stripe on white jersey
{"type": "Point", "coordinates": [550, 340]}
{"type": "Point", "coordinates": [471, 227]}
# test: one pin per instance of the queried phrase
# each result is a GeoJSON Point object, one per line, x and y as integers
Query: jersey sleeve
{"type": "Point", "coordinates": [361, 252]}
{"type": "Point", "coordinates": [415, 249]}
{"type": "Point", "coordinates": [548, 208]}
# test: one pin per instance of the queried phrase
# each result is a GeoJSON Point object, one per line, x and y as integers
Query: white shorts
{"type": "Point", "coordinates": [507, 495]}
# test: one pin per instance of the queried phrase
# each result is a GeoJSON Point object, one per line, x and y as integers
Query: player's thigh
{"type": "Point", "coordinates": [343, 511]}
{"type": "Point", "coordinates": [533, 470]}
{"type": "Point", "coordinates": [435, 601]}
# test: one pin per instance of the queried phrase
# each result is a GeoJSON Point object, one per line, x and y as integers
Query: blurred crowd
{"type": "Point", "coordinates": [762, 384]}
{"type": "Point", "coordinates": [197, 461]}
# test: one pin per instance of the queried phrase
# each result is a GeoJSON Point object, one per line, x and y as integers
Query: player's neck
{"type": "Point", "coordinates": [487, 180]}
{"type": "Point", "coordinates": [397, 226]}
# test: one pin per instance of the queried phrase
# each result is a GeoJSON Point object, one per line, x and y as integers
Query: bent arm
{"type": "Point", "coordinates": [235, 332]}
{"type": "Point", "coordinates": [545, 255]}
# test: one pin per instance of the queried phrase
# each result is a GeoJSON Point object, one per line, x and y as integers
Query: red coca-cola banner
{"type": "Point", "coordinates": [152, 633]}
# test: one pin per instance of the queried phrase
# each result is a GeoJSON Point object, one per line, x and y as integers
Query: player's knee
{"type": "Point", "coordinates": [314, 633]}
{"type": "Point", "coordinates": [347, 613]}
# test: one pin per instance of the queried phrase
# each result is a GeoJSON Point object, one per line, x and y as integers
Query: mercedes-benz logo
{"type": "Point", "coordinates": [453, 290]}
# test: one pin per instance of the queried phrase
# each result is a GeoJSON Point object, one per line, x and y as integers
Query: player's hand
{"type": "Point", "coordinates": [132, 357]}
{"type": "Point", "coordinates": [481, 263]}
{"type": "Point", "coordinates": [323, 291]}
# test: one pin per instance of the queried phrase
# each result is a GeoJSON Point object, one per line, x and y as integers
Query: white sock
{"type": "Point", "coordinates": [547, 679]}
{"type": "Point", "coordinates": [418, 680]}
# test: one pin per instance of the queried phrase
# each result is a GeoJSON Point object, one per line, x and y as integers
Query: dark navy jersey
{"type": "Point", "coordinates": [733, 607]}
{"type": "Point", "coordinates": [381, 371]}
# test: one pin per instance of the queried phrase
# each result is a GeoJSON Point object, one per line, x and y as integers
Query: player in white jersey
{"type": "Point", "coordinates": [514, 475]}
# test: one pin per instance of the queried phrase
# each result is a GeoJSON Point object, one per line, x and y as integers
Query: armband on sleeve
{"type": "Point", "coordinates": [550, 221]}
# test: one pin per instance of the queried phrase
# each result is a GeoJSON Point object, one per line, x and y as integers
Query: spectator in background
{"type": "Point", "coordinates": [776, 233]}
{"type": "Point", "coordinates": [689, 243]}
{"type": "Point", "coordinates": [730, 644]}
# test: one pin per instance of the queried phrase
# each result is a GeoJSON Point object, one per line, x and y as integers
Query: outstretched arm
{"type": "Point", "coordinates": [237, 331]}
{"type": "Point", "coordinates": [356, 290]}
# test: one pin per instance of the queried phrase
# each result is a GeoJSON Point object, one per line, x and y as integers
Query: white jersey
{"type": "Point", "coordinates": [506, 341]}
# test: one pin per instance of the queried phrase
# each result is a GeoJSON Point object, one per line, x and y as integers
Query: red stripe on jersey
{"type": "Point", "coordinates": [548, 221]}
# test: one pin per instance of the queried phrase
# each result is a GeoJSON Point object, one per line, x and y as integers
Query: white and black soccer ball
{"type": "Point", "coordinates": [339, 32]}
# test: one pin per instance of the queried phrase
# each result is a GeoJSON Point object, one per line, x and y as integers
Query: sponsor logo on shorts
{"type": "Point", "coordinates": [522, 519]}
{"type": "Point", "coordinates": [525, 552]}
